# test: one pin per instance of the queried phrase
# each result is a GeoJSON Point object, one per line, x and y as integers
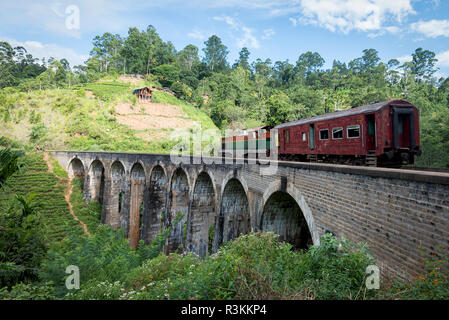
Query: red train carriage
{"type": "Point", "coordinates": [384, 134]}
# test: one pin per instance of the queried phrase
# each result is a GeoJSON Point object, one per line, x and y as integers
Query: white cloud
{"type": "Point", "coordinates": [432, 28]}
{"type": "Point", "coordinates": [230, 21]}
{"type": "Point", "coordinates": [247, 39]}
{"type": "Point", "coordinates": [347, 15]}
{"type": "Point", "coordinates": [404, 59]}
{"type": "Point", "coordinates": [293, 21]}
{"type": "Point", "coordinates": [47, 50]}
{"type": "Point", "coordinates": [196, 34]}
{"type": "Point", "coordinates": [268, 33]}
{"type": "Point", "coordinates": [443, 59]}
{"type": "Point", "coordinates": [385, 30]}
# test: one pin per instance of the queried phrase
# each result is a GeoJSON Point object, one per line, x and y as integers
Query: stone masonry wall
{"type": "Point", "coordinates": [399, 213]}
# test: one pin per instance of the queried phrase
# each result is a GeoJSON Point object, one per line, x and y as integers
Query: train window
{"type": "Point", "coordinates": [304, 136]}
{"type": "Point", "coordinates": [287, 136]}
{"type": "Point", "coordinates": [337, 133]}
{"type": "Point", "coordinates": [254, 135]}
{"type": "Point", "coordinates": [324, 134]}
{"type": "Point", "coordinates": [353, 131]}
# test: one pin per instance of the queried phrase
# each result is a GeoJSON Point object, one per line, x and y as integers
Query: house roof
{"type": "Point", "coordinates": [343, 113]}
{"type": "Point", "coordinates": [135, 89]}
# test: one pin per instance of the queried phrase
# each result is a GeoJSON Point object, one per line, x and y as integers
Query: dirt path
{"type": "Point", "coordinates": [67, 193]}
{"type": "Point", "coordinates": [49, 164]}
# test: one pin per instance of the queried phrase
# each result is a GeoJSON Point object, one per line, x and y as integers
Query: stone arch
{"type": "Point", "coordinates": [157, 195]}
{"type": "Point", "coordinates": [117, 191]}
{"type": "Point", "coordinates": [234, 175]}
{"type": "Point", "coordinates": [234, 218]}
{"type": "Point", "coordinates": [179, 202]}
{"type": "Point", "coordinates": [137, 186]}
{"type": "Point", "coordinates": [286, 212]}
{"type": "Point", "coordinates": [202, 215]}
{"type": "Point", "coordinates": [75, 168]}
{"type": "Point", "coordinates": [95, 182]}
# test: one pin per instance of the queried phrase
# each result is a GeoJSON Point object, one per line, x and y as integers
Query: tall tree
{"type": "Point", "coordinates": [424, 64]}
{"type": "Point", "coordinates": [243, 60]}
{"type": "Point", "coordinates": [188, 57]}
{"type": "Point", "coordinates": [215, 53]}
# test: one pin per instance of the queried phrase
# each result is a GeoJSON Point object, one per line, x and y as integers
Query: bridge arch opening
{"type": "Point", "coordinates": [76, 169]}
{"type": "Point", "coordinates": [116, 194]}
{"type": "Point", "coordinates": [283, 216]}
{"type": "Point", "coordinates": [202, 216]}
{"type": "Point", "coordinates": [137, 186]}
{"type": "Point", "coordinates": [95, 182]}
{"type": "Point", "coordinates": [234, 218]}
{"type": "Point", "coordinates": [157, 191]}
{"type": "Point", "coordinates": [179, 203]}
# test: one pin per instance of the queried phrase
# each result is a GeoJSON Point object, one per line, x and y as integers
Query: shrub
{"type": "Point", "coordinates": [432, 284]}
{"type": "Point", "coordinates": [105, 256]}
{"type": "Point", "coordinates": [30, 291]}
{"type": "Point", "coordinates": [38, 133]}
{"type": "Point", "coordinates": [334, 270]}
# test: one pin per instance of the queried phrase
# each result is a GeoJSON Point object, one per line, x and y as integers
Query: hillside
{"type": "Point", "coordinates": [99, 116]}
{"type": "Point", "coordinates": [42, 176]}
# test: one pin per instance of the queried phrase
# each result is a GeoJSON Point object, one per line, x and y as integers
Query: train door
{"type": "Point", "coordinates": [404, 131]}
{"type": "Point", "coordinates": [371, 134]}
{"type": "Point", "coordinates": [312, 136]}
{"type": "Point", "coordinates": [403, 128]}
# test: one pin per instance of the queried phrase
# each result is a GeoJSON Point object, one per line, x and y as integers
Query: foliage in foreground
{"type": "Point", "coordinates": [254, 266]}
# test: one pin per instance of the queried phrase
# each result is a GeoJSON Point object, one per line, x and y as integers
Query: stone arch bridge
{"type": "Point", "coordinates": [398, 213]}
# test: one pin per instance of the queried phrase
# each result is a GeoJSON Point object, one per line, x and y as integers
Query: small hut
{"type": "Point", "coordinates": [142, 93]}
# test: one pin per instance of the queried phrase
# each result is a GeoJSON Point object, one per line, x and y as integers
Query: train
{"type": "Point", "coordinates": [384, 134]}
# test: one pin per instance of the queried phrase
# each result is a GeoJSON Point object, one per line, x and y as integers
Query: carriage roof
{"type": "Point", "coordinates": [343, 113]}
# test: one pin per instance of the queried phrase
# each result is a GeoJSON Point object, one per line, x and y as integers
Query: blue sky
{"type": "Point", "coordinates": [275, 29]}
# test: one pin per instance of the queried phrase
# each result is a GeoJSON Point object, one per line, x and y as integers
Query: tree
{"type": "Point", "coordinates": [167, 74]}
{"type": "Point", "coordinates": [17, 65]}
{"type": "Point", "coordinates": [283, 72]}
{"type": "Point", "coordinates": [9, 164]}
{"type": "Point", "coordinates": [281, 109]}
{"type": "Point", "coordinates": [215, 53]}
{"type": "Point", "coordinates": [106, 49]}
{"type": "Point", "coordinates": [309, 63]}
{"type": "Point", "coordinates": [243, 59]}
{"type": "Point", "coordinates": [423, 64]}
{"type": "Point", "coordinates": [188, 57]}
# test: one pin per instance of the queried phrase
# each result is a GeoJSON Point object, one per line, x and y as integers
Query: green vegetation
{"type": "Point", "coordinates": [106, 90]}
{"type": "Point", "coordinates": [35, 179]}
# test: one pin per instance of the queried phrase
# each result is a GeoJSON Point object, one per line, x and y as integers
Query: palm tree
{"type": "Point", "coordinates": [8, 164]}
{"type": "Point", "coordinates": [28, 206]}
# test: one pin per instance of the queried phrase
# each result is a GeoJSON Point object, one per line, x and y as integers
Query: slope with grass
{"type": "Point", "coordinates": [50, 188]}
{"type": "Point", "coordinates": [100, 116]}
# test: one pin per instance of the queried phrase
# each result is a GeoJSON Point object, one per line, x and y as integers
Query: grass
{"type": "Point", "coordinates": [89, 213]}
{"type": "Point", "coordinates": [106, 90]}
